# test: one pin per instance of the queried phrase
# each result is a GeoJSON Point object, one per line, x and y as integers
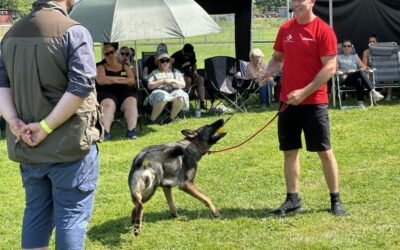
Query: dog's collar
{"type": "Point", "coordinates": [199, 148]}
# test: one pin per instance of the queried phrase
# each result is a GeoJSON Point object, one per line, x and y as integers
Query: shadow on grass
{"type": "Point", "coordinates": [110, 232]}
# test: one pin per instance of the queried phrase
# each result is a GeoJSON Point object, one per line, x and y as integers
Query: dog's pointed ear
{"type": "Point", "coordinates": [189, 133]}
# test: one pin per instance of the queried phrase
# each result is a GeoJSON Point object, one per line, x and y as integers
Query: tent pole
{"type": "Point", "coordinates": [287, 10]}
{"type": "Point", "coordinates": [331, 13]}
{"type": "Point", "coordinates": [333, 80]}
{"type": "Point", "coordinates": [251, 25]}
{"type": "Point", "coordinates": [137, 68]}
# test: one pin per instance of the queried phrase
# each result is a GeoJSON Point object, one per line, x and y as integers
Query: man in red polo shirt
{"type": "Point", "coordinates": [307, 46]}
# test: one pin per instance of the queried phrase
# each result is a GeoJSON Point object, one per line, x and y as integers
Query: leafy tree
{"type": "Point", "coordinates": [265, 5]}
{"type": "Point", "coordinates": [22, 7]}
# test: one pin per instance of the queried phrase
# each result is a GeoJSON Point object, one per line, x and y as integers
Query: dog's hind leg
{"type": "Point", "coordinates": [191, 189]}
{"type": "Point", "coordinates": [170, 200]}
{"type": "Point", "coordinates": [137, 213]}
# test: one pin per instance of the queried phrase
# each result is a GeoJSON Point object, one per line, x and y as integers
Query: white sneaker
{"type": "Point", "coordinates": [376, 95]}
{"type": "Point", "coordinates": [361, 105]}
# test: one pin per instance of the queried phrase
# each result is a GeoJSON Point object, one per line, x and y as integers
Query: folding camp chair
{"type": "Point", "coordinates": [2, 125]}
{"type": "Point", "coordinates": [143, 91]}
{"type": "Point", "coordinates": [338, 80]}
{"type": "Point", "coordinates": [220, 72]}
{"type": "Point", "coordinates": [245, 87]}
{"type": "Point", "coordinates": [386, 65]}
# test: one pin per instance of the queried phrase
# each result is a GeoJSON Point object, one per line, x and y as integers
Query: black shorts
{"type": "Point", "coordinates": [118, 97]}
{"type": "Point", "coordinates": [312, 119]}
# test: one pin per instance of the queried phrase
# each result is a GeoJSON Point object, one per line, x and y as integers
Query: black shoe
{"type": "Point", "coordinates": [131, 134]}
{"type": "Point", "coordinates": [336, 208]}
{"type": "Point", "coordinates": [203, 105]}
{"type": "Point", "coordinates": [107, 136]}
{"type": "Point", "coordinates": [150, 122]}
{"type": "Point", "coordinates": [289, 206]}
{"type": "Point", "coordinates": [167, 120]}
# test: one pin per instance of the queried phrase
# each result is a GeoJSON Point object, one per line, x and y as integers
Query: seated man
{"type": "Point", "coordinates": [185, 61]}
{"type": "Point", "coordinates": [167, 86]}
{"type": "Point", "coordinates": [354, 69]}
{"type": "Point", "coordinates": [114, 85]}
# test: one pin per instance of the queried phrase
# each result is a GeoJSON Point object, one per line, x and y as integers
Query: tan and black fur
{"type": "Point", "coordinates": [171, 165]}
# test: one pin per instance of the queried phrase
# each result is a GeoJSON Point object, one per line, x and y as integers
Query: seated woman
{"type": "Point", "coordinates": [366, 59]}
{"type": "Point", "coordinates": [115, 90]}
{"type": "Point", "coordinates": [354, 68]}
{"type": "Point", "coordinates": [254, 70]}
{"type": "Point", "coordinates": [127, 56]}
{"type": "Point", "coordinates": [166, 85]}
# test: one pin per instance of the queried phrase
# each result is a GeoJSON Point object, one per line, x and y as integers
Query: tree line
{"type": "Point", "coordinates": [21, 7]}
{"type": "Point", "coordinates": [262, 6]}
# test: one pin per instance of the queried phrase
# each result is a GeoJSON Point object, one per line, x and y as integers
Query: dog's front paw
{"type": "Point", "coordinates": [216, 214]}
{"type": "Point", "coordinates": [136, 229]}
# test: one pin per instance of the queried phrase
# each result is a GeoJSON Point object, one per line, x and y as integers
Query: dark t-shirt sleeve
{"type": "Point", "coordinates": [4, 81]}
{"type": "Point", "coordinates": [150, 64]}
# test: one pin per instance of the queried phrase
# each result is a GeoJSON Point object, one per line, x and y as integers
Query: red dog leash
{"type": "Point", "coordinates": [283, 108]}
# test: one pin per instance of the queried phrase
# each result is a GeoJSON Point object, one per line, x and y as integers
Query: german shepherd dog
{"type": "Point", "coordinates": [171, 165]}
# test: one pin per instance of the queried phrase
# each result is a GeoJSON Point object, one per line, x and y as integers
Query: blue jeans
{"type": "Point", "coordinates": [266, 93]}
{"type": "Point", "coordinates": [60, 196]}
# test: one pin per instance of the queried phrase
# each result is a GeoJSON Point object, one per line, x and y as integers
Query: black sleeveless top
{"type": "Point", "coordinates": [114, 88]}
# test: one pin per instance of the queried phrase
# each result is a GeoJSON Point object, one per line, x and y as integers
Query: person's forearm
{"type": "Point", "coordinates": [64, 109]}
{"type": "Point", "coordinates": [155, 84]}
{"type": "Point", "coordinates": [180, 83]}
{"type": "Point", "coordinates": [274, 65]}
{"type": "Point", "coordinates": [124, 80]}
{"type": "Point", "coordinates": [104, 80]}
{"type": "Point", "coordinates": [7, 107]}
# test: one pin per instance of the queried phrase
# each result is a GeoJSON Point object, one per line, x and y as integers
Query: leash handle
{"type": "Point", "coordinates": [281, 109]}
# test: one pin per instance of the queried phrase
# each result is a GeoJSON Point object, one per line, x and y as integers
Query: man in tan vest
{"type": "Point", "coordinates": [48, 99]}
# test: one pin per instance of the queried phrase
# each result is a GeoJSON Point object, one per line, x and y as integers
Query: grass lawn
{"type": "Point", "coordinates": [245, 184]}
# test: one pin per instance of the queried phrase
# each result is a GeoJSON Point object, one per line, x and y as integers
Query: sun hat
{"type": "Point", "coordinates": [163, 56]}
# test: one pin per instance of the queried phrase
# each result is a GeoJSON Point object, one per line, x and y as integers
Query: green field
{"type": "Point", "coordinates": [245, 184]}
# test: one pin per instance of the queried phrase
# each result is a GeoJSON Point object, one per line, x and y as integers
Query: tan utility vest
{"type": "Point", "coordinates": [37, 71]}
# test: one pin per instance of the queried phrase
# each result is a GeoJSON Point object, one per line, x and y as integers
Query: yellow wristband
{"type": "Point", "coordinates": [45, 127]}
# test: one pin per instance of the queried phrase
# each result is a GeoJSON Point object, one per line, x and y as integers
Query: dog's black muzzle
{"type": "Point", "coordinates": [218, 130]}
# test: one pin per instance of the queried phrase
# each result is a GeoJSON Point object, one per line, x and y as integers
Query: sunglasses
{"type": "Point", "coordinates": [346, 46]}
{"type": "Point", "coordinates": [165, 61]}
{"type": "Point", "coordinates": [111, 52]}
{"type": "Point", "coordinates": [125, 53]}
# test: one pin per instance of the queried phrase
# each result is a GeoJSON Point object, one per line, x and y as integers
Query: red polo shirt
{"type": "Point", "coordinates": [303, 46]}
